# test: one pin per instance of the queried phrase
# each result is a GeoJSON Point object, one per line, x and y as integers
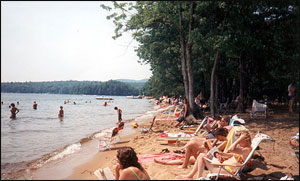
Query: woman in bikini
{"type": "Point", "coordinates": [202, 146]}
{"type": "Point", "coordinates": [236, 153]}
{"type": "Point", "coordinates": [13, 111]}
{"type": "Point", "coordinates": [128, 167]}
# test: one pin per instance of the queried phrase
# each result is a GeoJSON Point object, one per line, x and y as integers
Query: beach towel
{"type": "Point", "coordinates": [166, 119]}
{"type": "Point", "coordinates": [145, 158]}
{"type": "Point", "coordinates": [180, 134]}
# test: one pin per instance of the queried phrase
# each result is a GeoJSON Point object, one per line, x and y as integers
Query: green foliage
{"type": "Point", "coordinates": [72, 87]}
{"type": "Point", "coordinates": [264, 34]}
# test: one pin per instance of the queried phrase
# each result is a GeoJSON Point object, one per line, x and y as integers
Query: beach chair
{"type": "Point", "coordinates": [258, 110]}
{"type": "Point", "coordinates": [259, 137]}
{"type": "Point", "coordinates": [144, 130]}
{"type": "Point", "coordinates": [171, 138]}
{"type": "Point", "coordinates": [107, 142]}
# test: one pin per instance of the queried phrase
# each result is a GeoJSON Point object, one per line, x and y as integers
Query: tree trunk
{"type": "Point", "coordinates": [212, 89]}
{"type": "Point", "coordinates": [216, 103]}
{"type": "Point", "coordinates": [182, 55]}
{"type": "Point", "coordinates": [188, 58]}
{"type": "Point", "coordinates": [240, 107]}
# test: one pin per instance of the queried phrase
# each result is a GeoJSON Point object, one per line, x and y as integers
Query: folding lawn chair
{"type": "Point", "coordinates": [236, 174]}
{"type": "Point", "coordinates": [107, 142]}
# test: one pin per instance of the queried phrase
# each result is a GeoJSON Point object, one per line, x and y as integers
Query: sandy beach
{"type": "Point", "coordinates": [272, 160]}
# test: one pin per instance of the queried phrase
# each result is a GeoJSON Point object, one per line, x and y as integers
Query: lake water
{"type": "Point", "coordinates": [37, 137]}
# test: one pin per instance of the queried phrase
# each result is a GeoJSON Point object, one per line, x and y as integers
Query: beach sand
{"type": "Point", "coordinates": [273, 160]}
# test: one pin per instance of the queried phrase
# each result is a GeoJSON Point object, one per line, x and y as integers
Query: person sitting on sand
{"type": "Point", "coordinates": [128, 167]}
{"type": "Point", "coordinates": [236, 153]}
{"type": "Point", "coordinates": [207, 144]}
{"type": "Point", "coordinates": [200, 144]}
{"type": "Point", "coordinates": [61, 112]}
{"type": "Point", "coordinates": [119, 114]}
{"type": "Point", "coordinates": [13, 111]}
{"type": "Point", "coordinates": [34, 105]}
{"type": "Point", "coordinates": [105, 103]}
{"type": "Point", "coordinates": [184, 112]}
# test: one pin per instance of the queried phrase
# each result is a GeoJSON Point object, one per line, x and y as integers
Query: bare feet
{"type": "Point", "coordinates": [182, 167]}
{"type": "Point", "coordinates": [187, 176]}
{"type": "Point", "coordinates": [159, 161]}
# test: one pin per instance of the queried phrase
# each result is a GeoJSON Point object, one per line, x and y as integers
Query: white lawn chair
{"type": "Point", "coordinates": [107, 142]}
{"type": "Point", "coordinates": [255, 142]}
{"type": "Point", "coordinates": [258, 110]}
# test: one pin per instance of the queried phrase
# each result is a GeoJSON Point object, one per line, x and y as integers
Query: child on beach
{"type": "Point", "coordinates": [61, 112]}
{"type": "Point", "coordinates": [128, 167]}
{"type": "Point", "coordinates": [34, 105]}
{"type": "Point", "coordinates": [13, 111]}
{"type": "Point", "coordinates": [119, 114]}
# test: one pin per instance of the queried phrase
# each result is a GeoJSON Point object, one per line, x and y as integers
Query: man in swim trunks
{"type": "Point", "coordinates": [291, 96]}
{"type": "Point", "coordinates": [119, 114]}
{"type": "Point", "coordinates": [34, 105]}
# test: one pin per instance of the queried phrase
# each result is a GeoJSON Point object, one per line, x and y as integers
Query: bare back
{"type": "Point", "coordinates": [133, 173]}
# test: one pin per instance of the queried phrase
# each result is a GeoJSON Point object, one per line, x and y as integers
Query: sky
{"type": "Point", "coordinates": [56, 41]}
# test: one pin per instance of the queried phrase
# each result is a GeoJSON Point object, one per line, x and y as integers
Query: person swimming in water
{"type": "Point", "coordinates": [13, 111]}
{"type": "Point", "coordinates": [61, 112]}
{"type": "Point", "coordinates": [34, 105]}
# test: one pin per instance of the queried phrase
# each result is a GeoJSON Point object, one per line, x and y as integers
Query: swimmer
{"type": "Point", "coordinates": [34, 105]}
{"type": "Point", "coordinates": [61, 112]}
{"type": "Point", "coordinates": [13, 111]}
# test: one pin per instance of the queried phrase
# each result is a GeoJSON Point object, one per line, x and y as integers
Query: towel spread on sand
{"type": "Point", "coordinates": [174, 135]}
{"type": "Point", "coordinates": [145, 158]}
{"type": "Point", "coordinates": [166, 119]}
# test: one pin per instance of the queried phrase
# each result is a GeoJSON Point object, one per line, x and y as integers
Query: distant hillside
{"type": "Point", "coordinates": [111, 87]}
{"type": "Point", "coordinates": [138, 84]}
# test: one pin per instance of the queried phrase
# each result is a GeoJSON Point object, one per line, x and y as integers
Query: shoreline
{"type": "Point", "coordinates": [61, 162]}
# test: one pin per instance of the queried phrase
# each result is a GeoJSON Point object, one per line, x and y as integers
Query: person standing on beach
{"type": "Point", "coordinates": [119, 114]}
{"type": "Point", "coordinates": [61, 112]}
{"type": "Point", "coordinates": [34, 105]}
{"type": "Point", "coordinates": [13, 111]}
{"type": "Point", "coordinates": [105, 103]}
{"type": "Point", "coordinates": [291, 96]}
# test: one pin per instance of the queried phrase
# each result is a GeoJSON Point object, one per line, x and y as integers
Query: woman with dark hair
{"type": "Point", "coordinates": [128, 167]}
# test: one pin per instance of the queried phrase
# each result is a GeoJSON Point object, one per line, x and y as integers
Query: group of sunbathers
{"type": "Point", "coordinates": [196, 149]}
{"type": "Point", "coordinates": [232, 149]}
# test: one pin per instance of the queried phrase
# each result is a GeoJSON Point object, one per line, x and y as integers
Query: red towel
{"type": "Point", "coordinates": [145, 158]}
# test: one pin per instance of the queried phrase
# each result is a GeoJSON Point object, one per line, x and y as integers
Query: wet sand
{"type": "Point", "coordinates": [273, 160]}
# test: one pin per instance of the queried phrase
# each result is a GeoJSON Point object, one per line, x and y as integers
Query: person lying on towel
{"type": "Point", "coordinates": [195, 147]}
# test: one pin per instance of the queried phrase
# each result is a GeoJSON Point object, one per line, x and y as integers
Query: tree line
{"type": "Point", "coordinates": [224, 49]}
{"type": "Point", "coordinates": [111, 87]}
